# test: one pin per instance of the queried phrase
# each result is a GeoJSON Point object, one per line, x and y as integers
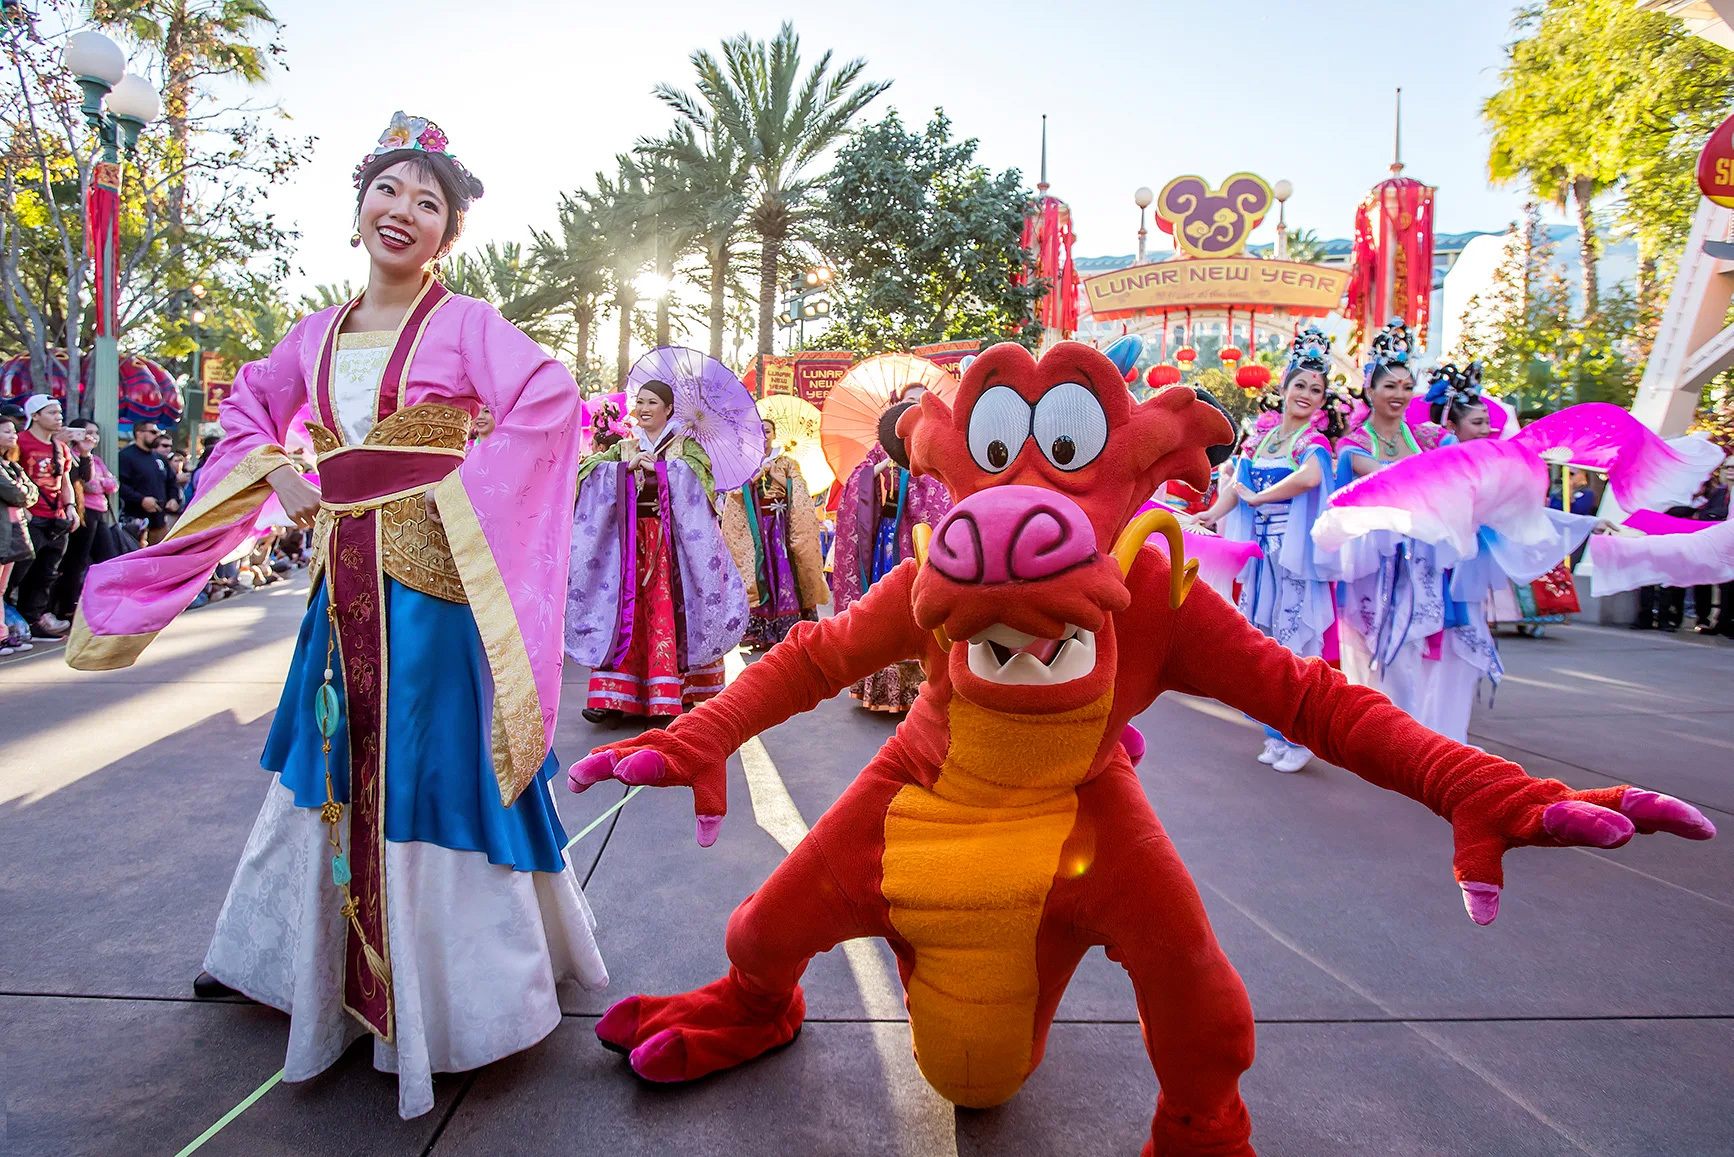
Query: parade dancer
{"type": "Point", "coordinates": [773, 531]}
{"type": "Point", "coordinates": [1467, 654]}
{"type": "Point", "coordinates": [1392, 599]}
{"type": "Point", "coordinates": [654, 600]}
{"type": "Point", "coordinates": [1277, 486]}
{"type": "Point", "coordinates": [406, 876]}
{"type": "Point", "coordinates": [882, 503]}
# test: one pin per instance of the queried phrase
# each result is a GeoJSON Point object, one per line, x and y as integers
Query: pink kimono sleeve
{"type": "Point", "coordinates": [508, 517]}
{"type": "Point", "coordinates": [127, 600]}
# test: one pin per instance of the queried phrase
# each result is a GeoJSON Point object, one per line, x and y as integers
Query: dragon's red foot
{"type": "Point", "coordinates": [694, 1034]}
{"type": "Point", "coordinates": [1227, 1134]}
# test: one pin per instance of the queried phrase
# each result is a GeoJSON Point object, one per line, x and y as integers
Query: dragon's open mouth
{"type": "Point", "coordinates": [1003, 655]}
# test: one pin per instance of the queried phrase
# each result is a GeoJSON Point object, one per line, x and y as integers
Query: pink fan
{"type": "Point", "coordinates": [711, 406]}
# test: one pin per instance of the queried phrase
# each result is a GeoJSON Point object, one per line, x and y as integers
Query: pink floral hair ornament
{"type": "Point", "coordinates": [419, 133]}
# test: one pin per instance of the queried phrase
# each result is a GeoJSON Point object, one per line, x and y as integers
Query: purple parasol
{"type": "Point", "coordinates": [712, 407]}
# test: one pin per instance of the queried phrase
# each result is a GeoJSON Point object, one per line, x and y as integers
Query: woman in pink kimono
{"type": "Point", "coordinates": [406, 876]}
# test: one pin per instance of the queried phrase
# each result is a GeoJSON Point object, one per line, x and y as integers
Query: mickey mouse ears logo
{"type": "Point", "coordinates": [1208, 222]}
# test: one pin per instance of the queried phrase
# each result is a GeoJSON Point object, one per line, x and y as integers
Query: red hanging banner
{"type": "Point", "coordinates": [102, 223]}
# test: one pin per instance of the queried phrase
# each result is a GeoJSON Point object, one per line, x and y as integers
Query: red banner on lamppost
{"type": "Point", "coordinates": [102, 222]}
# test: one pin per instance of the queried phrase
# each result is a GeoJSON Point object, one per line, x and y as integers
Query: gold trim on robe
{"type": "Point", "coordinates": [238, 494]}
{"type": "Point", "coordinates": [520, 738]}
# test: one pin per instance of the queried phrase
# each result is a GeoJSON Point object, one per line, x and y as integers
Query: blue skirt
{"type": "Point", "coordinates": [439, 773]}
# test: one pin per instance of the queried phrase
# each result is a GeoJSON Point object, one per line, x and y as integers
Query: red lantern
{"type": "Point", "coordinates": [1186, 354]}
{"type": "Point", "coordinates": [1252, 378]}
{"type": "Point", "coordinates": [1231, 354]}
{"type": "Point", "coordinates": [1162, 375]}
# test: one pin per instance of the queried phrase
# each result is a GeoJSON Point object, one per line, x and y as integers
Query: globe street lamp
{"type": "Point", "coordinates": [100, 68]}
{"type": "Point", "coordinates": [1282, 191]}
{"type": "Point", "coordinates": [1143, 197]}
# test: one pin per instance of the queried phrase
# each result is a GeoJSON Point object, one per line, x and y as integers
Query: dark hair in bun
{"type": "Point", "coordinates": [661, 389]}
{"type": "Point", "coordinates": [458, 186]}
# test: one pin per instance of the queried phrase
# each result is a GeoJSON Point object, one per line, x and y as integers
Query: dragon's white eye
{"type": "Point", "coordinates": [1069, 426]}
{"type": "Point", "coordinates": [998, 425]}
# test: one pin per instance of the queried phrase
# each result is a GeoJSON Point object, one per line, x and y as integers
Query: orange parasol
{"type": "Point", "coordinates": [849, 424]}
{"type": "Point", "coordinates": [798, 432]}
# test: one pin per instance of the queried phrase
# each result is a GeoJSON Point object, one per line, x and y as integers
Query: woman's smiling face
{"type": "Point", "coordinates": [403, 218]}
{"type": "Point", "coordinates": [1304, 395]}
{"type": "Point", "coordinates": [1391, 393]}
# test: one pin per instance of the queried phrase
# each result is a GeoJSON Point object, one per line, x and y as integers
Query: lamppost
{"type": "Point", "coordinates": [1282, 191]}
{"type": "Point", "coordinates": [193, 395]}
{"type": "Point", "coordinates": [1143, 197]}
{"type": "Point", "coordinates": [100, 67]}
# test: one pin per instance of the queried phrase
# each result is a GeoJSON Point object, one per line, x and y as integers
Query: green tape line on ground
{"type": "Point", "coordinates": [223, 1121]}
{"type": "Point", "coordinates": [598, 820]}
{"type": "Point", "coordinates": [232, 1114]}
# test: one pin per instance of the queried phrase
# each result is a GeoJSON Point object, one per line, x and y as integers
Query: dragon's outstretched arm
{"type": "Point", "coordinates": [1207, 648]}
{"type": "Point", "coordinates": [815, 662]}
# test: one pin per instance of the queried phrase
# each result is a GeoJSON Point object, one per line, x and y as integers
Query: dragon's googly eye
{"type": "Point", "coordinates": [998, 424]}
{"type": "Point", "coordinates": [1069, 426]}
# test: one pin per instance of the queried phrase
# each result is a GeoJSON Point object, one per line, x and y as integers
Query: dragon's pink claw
{"type": "Point", "coordinates": [1664, 813]}
{"type": "Point", "coordinates": [591, 770]}
{"type": "Point", "coordinates": [1133, 741]}
{"type": "Point", "coordinates": [1481, 901]}
{"type": "Point", "coordinates": [642, 767]}
{"type": "Point", "coordinates": [707, 829]}
{"type": "Point", "coordinates": [661, 1058]}
{"type": "Point", "coordinates": [1575, 821]}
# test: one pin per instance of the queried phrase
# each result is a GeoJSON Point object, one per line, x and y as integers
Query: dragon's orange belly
{"type": "Point", "coordinates": [967, 870]}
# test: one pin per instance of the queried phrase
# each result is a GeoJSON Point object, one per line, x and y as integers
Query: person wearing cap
{"type": "Point", "coordinates": [48, 463]}
{"type": "Point", "coordinates": [148, 490]}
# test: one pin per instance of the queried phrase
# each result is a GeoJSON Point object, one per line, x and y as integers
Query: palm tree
{"type": "Point", "coordinates": [501, 275]}
{"type": "Point", "coordinates": [1305, 245]}
{"type": "Point", "coordinates": [782, 121]}
{"type": "Point", "coordinates": [673, 207]}
{"type": "Point", "coordinates": [197, 40]}
{"type": "Point", "coordinates": [621, 209]}
{"type": "Point", "coordinates": [714, 174]}
{"type": "Point", "coordinates": [572, 268]}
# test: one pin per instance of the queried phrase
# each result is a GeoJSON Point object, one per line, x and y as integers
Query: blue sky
{"type": "Point", "coordinates": [537, 95]}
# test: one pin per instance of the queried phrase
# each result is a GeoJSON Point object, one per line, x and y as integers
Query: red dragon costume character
{"type": "Point", "coordinates": [1001, 832]}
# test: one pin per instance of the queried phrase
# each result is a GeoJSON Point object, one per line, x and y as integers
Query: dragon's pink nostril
{"type": "Point", "coordinates": [1012, 534]}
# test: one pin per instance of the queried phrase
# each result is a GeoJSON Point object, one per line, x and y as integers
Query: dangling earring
{"type": "Point", "coordinates": [355, 240]}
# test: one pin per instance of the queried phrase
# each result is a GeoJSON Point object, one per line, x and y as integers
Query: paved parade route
{"type": "Point", "coordinates": [1595, 1017]}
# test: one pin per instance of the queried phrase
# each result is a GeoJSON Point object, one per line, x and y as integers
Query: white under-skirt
{"type": "Point", "coordinates": [476, 951]}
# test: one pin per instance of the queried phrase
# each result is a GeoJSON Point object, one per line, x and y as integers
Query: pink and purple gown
{"type": "Point", "coordinates": [876, 519]}
{"type": "Point", "coordinates": [654, 601]}
{"type": "Point", "coordinates": [411, 881]}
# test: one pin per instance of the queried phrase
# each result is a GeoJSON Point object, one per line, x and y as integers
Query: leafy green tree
{"type": "Point", "coordinates": [1520, 329]}
{"type": "Point", "coordinates": [926, 241]}
{"type": "Point", "coordinates": [784, 122]}
{"type": "Point", "coordinates": [198, 45]}
{"type": "Point", "coordinates": [1603, 96]}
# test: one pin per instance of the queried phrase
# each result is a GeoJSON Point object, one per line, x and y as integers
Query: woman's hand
{"type": "Point", "coordinates": [300, 497]}
{"type": "Point", "coordinates": [1248, 495]}
{"type": "Point", "coordinates": [433, 510]}
{"type": "Point", "coordinates": [888, 464]}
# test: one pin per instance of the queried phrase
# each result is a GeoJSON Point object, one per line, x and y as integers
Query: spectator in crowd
{"type": "Point", "coordinates": [1715, 509]}
{"type": "Point", "coordinates": [148, 492]}
{"type": "Point", "coordinates": [17, 496]}
{"type": "Point", "coordinates": [95, 484]}
{"type": "Point", "coordinates": [43, 453]}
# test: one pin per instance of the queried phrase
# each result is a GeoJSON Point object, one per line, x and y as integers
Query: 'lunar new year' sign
{"type": "Point", "coordinates": [1298, 288]}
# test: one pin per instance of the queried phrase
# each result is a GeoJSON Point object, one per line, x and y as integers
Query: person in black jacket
{"type": "Point", "coordinates": [148, 492]}
{"type": "Point", "coordinates": [1715, 509]}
